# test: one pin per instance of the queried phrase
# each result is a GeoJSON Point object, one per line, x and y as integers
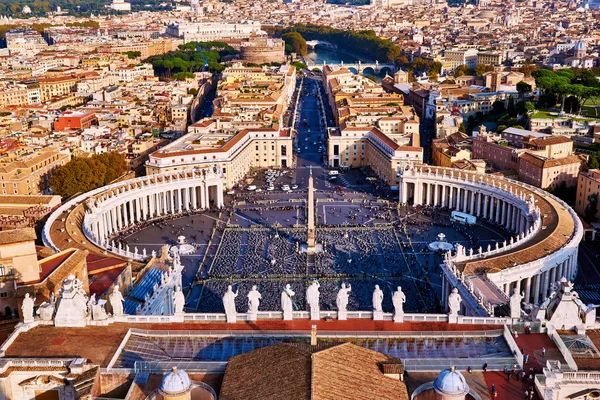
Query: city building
{"type": "Point", "coordinates": [210, 31]}
{"type": "Point", "coordinates": [588, 190]}
{"type": "Point", "coordinates": [30, 173]}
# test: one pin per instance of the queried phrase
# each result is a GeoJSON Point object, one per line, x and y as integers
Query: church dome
{"type": "Point", "coordinates": [580, 46]}
{"type": "Point", "coordinates": [176, 381]}
{"type": "Point", "coordinates": [451, 383]}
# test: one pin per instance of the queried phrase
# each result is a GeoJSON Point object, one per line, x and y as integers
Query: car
{"type": "Point", "coordinates": [271, 188]}
{"type": "Point", "coordinates": [294, 187]}
{"type": "Point", "coordinates": [305, 147]}
{"type": "Point", "coordinates": [285, 188]}
{"type": "Point", "coordinates": [251, 187]}
{"type": "Point", "coordinates": [315, 143]}
{"type": "Point", "coordinates": [231, 192]}
{"type": "Point", "coordinates": [333, 172]}
{"type": "Point", "coordinates": [258, 190]}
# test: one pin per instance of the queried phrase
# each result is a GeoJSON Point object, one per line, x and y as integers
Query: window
{"type": "Point", "coordinates": [4, 295]}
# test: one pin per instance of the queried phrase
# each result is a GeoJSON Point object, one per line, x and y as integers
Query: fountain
{"type": "Point", "coordinates": [182, 247]}
{"type": "Point", "coordinates": [441, 244]}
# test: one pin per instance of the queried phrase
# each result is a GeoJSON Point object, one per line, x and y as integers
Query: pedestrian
{"type": "Point", "coordinates": [543, 352]}
{"type": "Point", "coordinates": [485, 365]}
{"type": "Point", "coordinates": [493, 388]}
{"type": "Point", "coordinates": [526, 395]}
{"type": "Point", "coordinates": [495, 395]}
{"type": "Point", "coordinates": [526, 358]}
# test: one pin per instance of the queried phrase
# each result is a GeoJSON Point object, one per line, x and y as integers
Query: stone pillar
{"type": "Point", "coordinates": [486, 201]}
{"type": "Point", "coordinates": [403, 192]}
{"type": "Point", "coordinates": [138, 208]}
{"type": "Point", "coordinates": [528, 289]}
{"type": "Point", "coordinates": [435, 194]}
{"type": "Point", "coordinates": [220, 196]}
{"type": "Point", "coordinates": [164, 203]}
{"type": "Point", "coordinates": [473, 211]}
{"type": "Point", "coordinates": [119, 217]}
{"type": "Point", "coordinates": [180, 199]}
{"type": "Point", "coordinates": [194, 202]}
{"type": "Point", "coordinates": [545, 284]}
{"type": "Point", "coordinates": [131, 218]}
{"type": "Point", "coordinates": [498, 208]}
{"type": "Point", "coordinates": [553, 275]}
{"type": "Point", "coordinates": [465, 200]}
{"type": "Point", "coordinates": [536, 289]}
{"type": "Point", "coordinates": [450, 198]}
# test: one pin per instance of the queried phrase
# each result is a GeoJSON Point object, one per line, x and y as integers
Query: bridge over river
{"type": "Point", "coordinates": [359, 67]}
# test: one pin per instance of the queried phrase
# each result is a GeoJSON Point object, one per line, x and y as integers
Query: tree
{"type": "Point", "coordinates": [481, 69]}
{"type": "Point", "coordinates": [84, 174]}
{"type": "Point", "coordinates": [510, 109]}
{"type": "Point", "coordinates": [461, 70]}
{"type": "Point", "coordinates": [432, 75]}
{"type": "Point", "coordinates": [593, 162]}
{"type": "Point", "coordinates": [528, 106]}
{"type": "Point", "coordinates": [501, 128]}
{"type": "Point", "coordinates": [523, 88]}
{"type": "Point", "coordinates": [592, 208]}
{"type": "Point", "coordinates": [296, 42]}
{"type": "Point", "coordinates": [461, 128]}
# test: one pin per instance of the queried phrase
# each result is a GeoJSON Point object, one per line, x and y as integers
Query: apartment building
{"type": "Point", "coordinates": [208, 31]}
{"type": "Point", "coordinates": [588, 185]}
{"type": "Point", "coordinates": [74, 120]}
{"type": "Point", "coordinates": [547, 172]}
{"type": "Point", "coordinates": [458, 57]}
{"type": "Point", "coordinates": [490, 58]}
{"type": "Point", "coordinates": [30, 173]}
{"type": "Point", "coordinates": [56, 86]}
{"type": "Point", "coordinates": [19, 95]}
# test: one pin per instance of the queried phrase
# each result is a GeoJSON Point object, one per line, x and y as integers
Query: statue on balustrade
{"type": "Point", "coordinates": [342, 300]}
{"type": "Point", "coordinates": [515, 304]}
{"type": "Point", "coordinates": [398, 299]}
{"type": "Point", "coordinates": [286, 302]}
{"type": "Point", "coordinates": [454, 300]}
{"type": "Point", "coordinates": [116, 301]}
{"type": "Point", "coordinates": [254, 297]}
{"type": "Point", "coordinates": [229, 305]}
{"type": "Point", "coordinates": [27, 308]}
{"type": "Point", "coordinates": [178, 301]}
{"type": "Point", "coordinates": [312, 300]}
{"type": "Point", "coordinates": [377, 299]}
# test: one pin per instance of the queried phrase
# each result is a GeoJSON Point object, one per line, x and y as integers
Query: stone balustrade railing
{"type": "Point", "coordinates": [476, 300]}
{"type": "Point", "coordinates": [566, 353]}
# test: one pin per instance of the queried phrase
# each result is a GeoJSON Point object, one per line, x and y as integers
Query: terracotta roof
{"type": "Point", "coordinates": [17, 235]}
{"type": "Point", "coordinates": [337, 372]}
{"type": "Point", "coordinates": [551, 140]}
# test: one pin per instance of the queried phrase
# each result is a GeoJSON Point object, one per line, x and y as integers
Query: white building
{"type": "Point", "coordinates": [208, 31]}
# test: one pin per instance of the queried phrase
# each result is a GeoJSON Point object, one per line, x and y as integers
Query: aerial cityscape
{"type": "Point", "coordinates": [296, 199]}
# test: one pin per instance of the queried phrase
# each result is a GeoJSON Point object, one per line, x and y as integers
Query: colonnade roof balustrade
{"type": "Point", "coordinates": [559, 222]}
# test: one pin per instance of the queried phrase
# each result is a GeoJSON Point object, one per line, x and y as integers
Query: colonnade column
{"type": "Point", "coordinates": [528, 289]}
{"type": "Point", "coordinates": [194, 202]}
{"type": "Point", "coordinates": [486, 201]}
{"type": "Point", "coordinates": [435, 194]}
{"type": "Point", "coordinates": [536, 291]}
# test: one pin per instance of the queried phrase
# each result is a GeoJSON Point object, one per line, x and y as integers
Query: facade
{"type": "Point", "coordinates": [209, 31]}
{"type": "Point", "coordinates": [261, 50]}
{"type": "Point", "coordinates": [458, 57]}
{"type": "Point", "coordinates": [31, 174]}
{"type": "Point", "coordinates": [546, 172]}
{"type": "Point", "coordinates": [588, 185]}
{"type": "Point", "coordinates": [74, 120]}
{"type": "Point", "coordinates": [56, 86]}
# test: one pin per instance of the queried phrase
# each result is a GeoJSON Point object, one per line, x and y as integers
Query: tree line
{"type": "Point", "coordinates": [191, 57]}
{"type": "Point", "coordinates": [84, 174]}
{"type": "Point", "coordinates": [571, 87]}
{"type": "Point", "coordinates": [364, 43]}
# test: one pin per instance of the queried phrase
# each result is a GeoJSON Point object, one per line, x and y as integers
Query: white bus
{"type": "Point", "coordinates": [463, 218]}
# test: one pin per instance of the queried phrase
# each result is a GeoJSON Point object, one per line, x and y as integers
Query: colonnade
{"type": "Point", "coordinates": [508, 210]}
{"type": "Point", "coordinates": [154, 205]}
{"type": "Point", "coordinates": [512, 205]}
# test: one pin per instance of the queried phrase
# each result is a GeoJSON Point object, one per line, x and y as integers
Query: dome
{"type": "Point", "coordinates": [580, 46]}
{"type": "Point", "coordinates": [451, 383]}
{"type": "Point", "coordinates": [176, 381]}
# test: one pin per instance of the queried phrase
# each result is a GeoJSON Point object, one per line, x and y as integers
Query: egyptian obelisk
{"type": "Point", "coordinates": [311, 213]}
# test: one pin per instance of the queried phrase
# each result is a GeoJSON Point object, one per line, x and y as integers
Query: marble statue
{"type": "Point", "coordinates": [515, 304]}
{"type": "Point", "coordinates": [72, 306]}
{"type": "Point", "coordinates": [342, 300]}
{"type": "Point", "coordinates": [286, 302]}
{"type": "Point", "coordinates": [398, 299]}
{"type": "Point", "coordinates": [377, 300]}
{"type": "Point", "coordinates": [229, 305]}
{"type": "Point", "coordinates": [254, 297]}
{"type": "Point", "coordinates": [97, 311]}
{"type": "Point", "coordinates": [312, 300]}
{"type": "Point", "coordinates": [178, 301]}
{"type": "Point", "coordinates": [91, 303]}
{"type": "Point", "coordinates": [116, 301]}
{"type": "Point", "coordinates": [454, 300]}
{"type": "Point", "coordinates": [27, 308]}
